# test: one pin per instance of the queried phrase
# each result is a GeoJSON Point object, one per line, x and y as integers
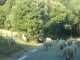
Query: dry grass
{"type": "Point", "coordinates": [6, 51]}
{"type": "Point", "coordinates": [74, 38]}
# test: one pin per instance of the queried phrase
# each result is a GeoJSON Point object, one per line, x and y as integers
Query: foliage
{"type": "Point", "coordinates": [49, 17]}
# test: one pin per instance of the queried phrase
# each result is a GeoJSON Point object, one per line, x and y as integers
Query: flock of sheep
{"type": "Point", "coordinates": [66, 48]}
{"type": "Point", "coordinates": [11, 36]}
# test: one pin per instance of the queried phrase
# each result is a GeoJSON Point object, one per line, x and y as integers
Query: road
{"type": "Point", "coordinates": [51, 54]}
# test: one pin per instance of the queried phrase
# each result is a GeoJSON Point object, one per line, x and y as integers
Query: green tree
{"type": "Point", "coordinates": [2, 18]}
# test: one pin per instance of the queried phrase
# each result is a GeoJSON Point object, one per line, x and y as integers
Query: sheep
{"type": "Point", "coordinates": [50, 41]}
{"type": "Point", "coordinates": [11, 41]}
{"type": "Point", "coordinates": [69, 52]}
{"type": "Point", "coordinates": [61, 46]}
{"type": "Point", "coordinates": [78, 41]}
{"type": "Point", "coordinates": [74, 46]}
{"type": "Point", "coordinates": [47, 44]}
{"type": "Point", "coordinates": [24, 38]}
{"type": "Point", "coordinates": [69, 42]}
{"type": "Point", "coordinates": [57, 40]}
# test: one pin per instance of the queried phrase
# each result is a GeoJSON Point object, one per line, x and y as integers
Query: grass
{"type": "Point", "coordinates": [6, 51]}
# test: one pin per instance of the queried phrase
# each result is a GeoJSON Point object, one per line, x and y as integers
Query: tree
{"type": "Point", "coordinates": [2, 18]}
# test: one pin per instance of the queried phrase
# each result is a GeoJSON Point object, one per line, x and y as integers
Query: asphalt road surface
{"type": "Point", "coordinates": [51, 54]}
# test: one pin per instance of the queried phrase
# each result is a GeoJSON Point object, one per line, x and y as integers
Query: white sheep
{"type": "Point", "coordinates": [74, 46]}
{"type": "Point", "coordinates": [69, 52]}
{"type": "Point", "coordinates": [61, 46]}
{"type": "Point", "coordinates": [57, 40]}
{"type": "Point", "coordinates": [78, 41]}
{"type": "Point", "coordinates": [45, 45]}
{"type": "Point", "coordinates": [24, 38]}
{"type": "Point", "coordinates": [50, 41]}
{"type": "Point", "coordinates": [50, 44]}
{"type": "Point", "coordinates": [11, 41]}
{"type": "Point", "coordinates": [68, 42]}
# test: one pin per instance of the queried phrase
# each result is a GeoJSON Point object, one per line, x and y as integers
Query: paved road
{"type": "Point", "coordinates": [51, 54]}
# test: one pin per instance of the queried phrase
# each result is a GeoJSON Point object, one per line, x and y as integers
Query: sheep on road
{"type": "Point", "coordinates": [69, 52]}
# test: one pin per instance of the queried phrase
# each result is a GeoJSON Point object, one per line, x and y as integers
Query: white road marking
{"type": "Point", "coordinates": [26, 56]}
{"type": "Point", "coordinates": [34, 50]}
{"type": "Point", "coordinates": [22, 58]}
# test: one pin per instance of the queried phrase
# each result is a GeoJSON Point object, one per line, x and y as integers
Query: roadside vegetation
{"type": "Point", "coordinates": [6, 51]}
